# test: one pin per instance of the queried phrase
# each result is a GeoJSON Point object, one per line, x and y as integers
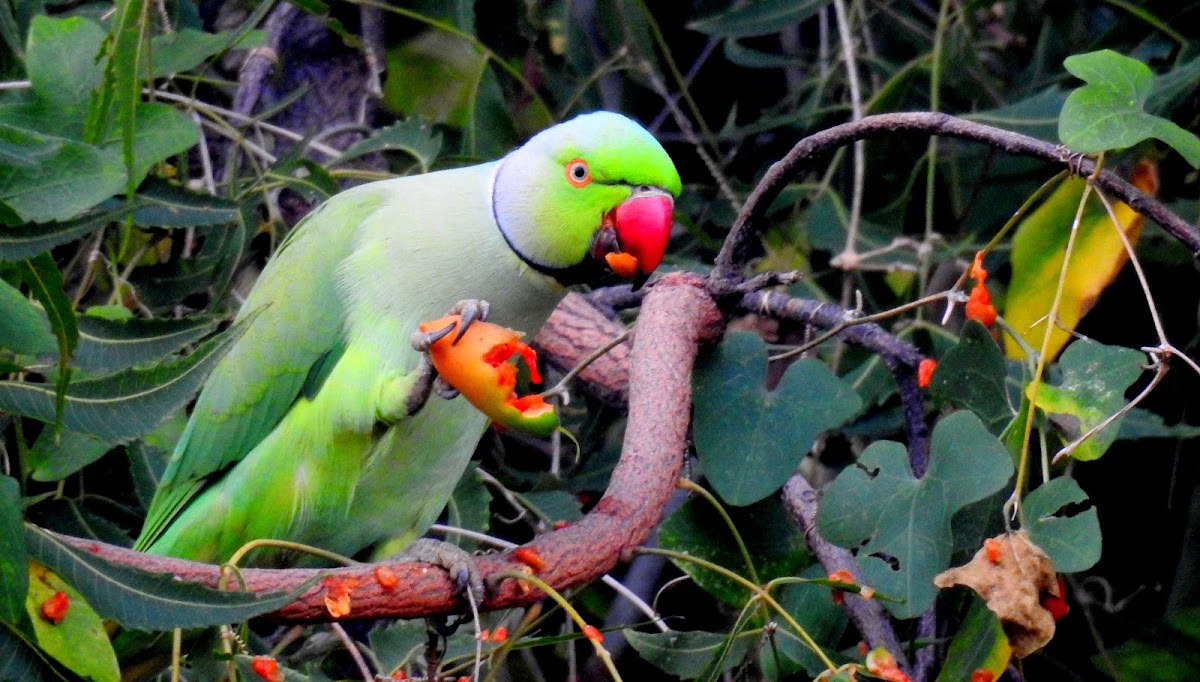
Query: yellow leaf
{"type": "Point", "coordinates": [1037, 257]}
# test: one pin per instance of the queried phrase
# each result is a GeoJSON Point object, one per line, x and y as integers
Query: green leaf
{"type": "Point", "coordinates": [161, 203]}
{"type": "Point", "coordinates": [771, 538]}
{"type": "Point", "coordinates": [187, 48]}
{"type": "Point", "coordinates": [62, 65]}
{"type": "Point", "coordinates": [125, 405]}
{"type": "Point", "coordinates": [397, 643]}
{"type": "Point", "coordinates": [66, 178]}
{"type": "Point", "coordinates": [972, 375]}
{"type": "Point", "coordinates": [110, 345]}
{"type": "Point", "coordinates": [757, 18]}
{"type": "Point", "coordinates": [79, 641]}
{"type": "Point", "coordinates": [25, 241]}
{"type": "Point", "coordinates": [55, 455]}
{"type": "Point", "coordinates": [979, 644]}
{"type": "Point", "coordinates": [1072, 542]}
{"type": "Point", "coordinates": [811, 604]}
{"type": "Point", "coordinates": [25, 329]}
{"type": "Point", "coordinates": [1094, 379]}
{"type": "Point", "coordinates": [687, 655]}
{"type": "Point", "coordinates": [900, 525]}
{"type": "Point", "coordinates": [1036, 115]}
{"type": "Point", "coordinates": [149, 601]}
{"type": "Point", "coordinates": [1139, 423]}
{"type": "Point", "coordinates": [41, 275]}
{"type": "Point", "coordinates": [157, 132]}
{"type": "Point", "coordinates": [751, 440]}
{"type": "Point", "coordinates": [20, 658]}
{"type": "Point", "coordinates": [412, 136]}
{"type": "Point", "coordinates": [1107, 113]}
{"type": "Point", "coordinates": [14, 572]}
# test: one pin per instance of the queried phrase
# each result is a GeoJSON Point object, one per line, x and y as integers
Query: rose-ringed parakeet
{"type": "Point", "coordinates": [304, 431]}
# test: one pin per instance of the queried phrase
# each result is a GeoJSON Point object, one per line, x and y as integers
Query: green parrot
{"type": "Point", "coordinates": [311, 429]}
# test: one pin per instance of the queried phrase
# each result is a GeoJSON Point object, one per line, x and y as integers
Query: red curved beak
{"type": "Point", "coordinates": [634, 237]}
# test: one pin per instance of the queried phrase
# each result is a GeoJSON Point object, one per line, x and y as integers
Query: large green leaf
{"type": "Point", "coordinates": [20, 659]}
{"type": "Point", "coordinates": [149, 601]}
{"type": "Point", "coordinates": [688, 655]}
{"type": "Point", "coordinates": [749, 439]}
{"type": "Point", "coordinates": [78, 642]}
{"type": "Point", "coordinates": [25, 329]}
{"type": "Point", "coordinates": [125, 405]}
{"type": "Point", "coordinates": [185, 49]}
{"type": "Point", "coordinates": [812, 605]}
{"type": "Point", "coordinates": [157, 132]}
{"type": "Point", "coordinates": [62, 64]}
{"type": "Point", "coordinates": [56, 455]}
{"type": "Point", "coordinates": [1070, 538]}
{"type": "Point", "coordinates": [14, 573]}
{"type": "Point", "coordinates": [45, 282]}
{"type": "Point", "coordinates": [166, 204]}
{"type": "Point", "coordinates": [112, 345]}
{"type": "Point", "coordinates": [1094, 380]}
{"type": "Point", "coordinates": [1108, 112]}
{"type": "Point", "coordinates": [972, 375]}
{"type": "Point", "coordinates": [771, 538]}
{"type": "Point", "coordinates": [900, 525]}
{"type": "Point", "coordinates": [25, 241]}
{"type": "Point", "coordinates": [413, 137]}
{"type": "Point", "coordinates": [63, 177]}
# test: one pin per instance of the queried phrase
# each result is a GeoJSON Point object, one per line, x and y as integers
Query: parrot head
{"type": "Point", "coordinates": [587, 197]}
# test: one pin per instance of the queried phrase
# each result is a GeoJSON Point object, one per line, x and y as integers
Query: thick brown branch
{"type": "Point", "coordinates": [749, 222]}
{"type": "Point", "coordinates": [571, 334]}
{"type": "Point", "coordinates": [676, 317]}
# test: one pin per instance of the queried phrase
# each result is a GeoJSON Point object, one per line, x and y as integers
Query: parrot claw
{"type": "Point", "coordinates": [422, 341]}
{"type": "Point", "coordinates": [455, 560]}
{"type": "Point", "coordinates": [444, 390]}
{"type": "Point", "coordinates": [471, 309]}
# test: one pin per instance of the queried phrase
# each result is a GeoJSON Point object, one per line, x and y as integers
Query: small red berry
{"type": "Point", "coordinates": [530, 557]}
{"type": "Point", "coordinates": [500, 634]}
{"type": "Point", "coordinates": [55, 608]}
{"type": "Point", "coordinates": [266, 668]}
{"type": "Point", "coordinates": [386, 577]}
{"type": "Point", "coordinates": [981, 675]}
{"type": "Point", "coordinates": [925, 372]}
{"type": "Point", "coordinates": [593, 634]}
{"type": "Point", "coordinates": [992, 548]}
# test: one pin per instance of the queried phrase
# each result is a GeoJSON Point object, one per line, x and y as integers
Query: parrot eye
{"type": "Point", "coordinates": [578, 173]}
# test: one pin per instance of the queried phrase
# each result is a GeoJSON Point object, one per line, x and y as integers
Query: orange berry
{"type": "Point", "coordinates": [55, 608]}
{"type": "Point", "coordinates": [979, 306]}
{"type": "Point", "coordinates": [925, 371]}
{"type": "Point", "coordinates": [981, 675]}
{"type": "Point", "coordinates": [593, 634]}
{"type": "Point", "coordinates": [500, 635]}
{"type": "Point", "coordinates": [992, 548]}
{"type": "Point", "coordinates": [386, 577]}
{"type": "Point", "coordinates": [266, 668]}
{"type": "Point", "coordinates": [530, 557]}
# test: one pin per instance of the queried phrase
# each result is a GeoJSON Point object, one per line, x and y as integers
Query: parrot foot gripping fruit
{"type": "Point", "coordinates": [478, 367]}
{"type": "Point", "coordinates": [469, 310]}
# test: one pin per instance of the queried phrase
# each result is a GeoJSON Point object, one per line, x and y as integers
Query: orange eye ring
{"type": "Point", "coordinates": [577, 172]}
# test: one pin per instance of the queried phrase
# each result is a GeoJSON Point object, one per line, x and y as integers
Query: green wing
{"type": "Point", "coordinates": [295, 336]}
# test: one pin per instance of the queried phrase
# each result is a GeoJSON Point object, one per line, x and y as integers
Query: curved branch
{"type": "Point", "coordinates": [737, 248]}
{"type": "Point", "coordinates": [677, 315]}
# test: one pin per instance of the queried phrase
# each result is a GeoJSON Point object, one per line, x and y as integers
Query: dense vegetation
{"type": "Point", "coordinates": [153, 153]}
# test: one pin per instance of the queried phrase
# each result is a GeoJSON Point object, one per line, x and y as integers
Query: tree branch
{"type": "Point", "coordinates": [749, 223]}
{"type": "Point", "coordinates": [677, 315]}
